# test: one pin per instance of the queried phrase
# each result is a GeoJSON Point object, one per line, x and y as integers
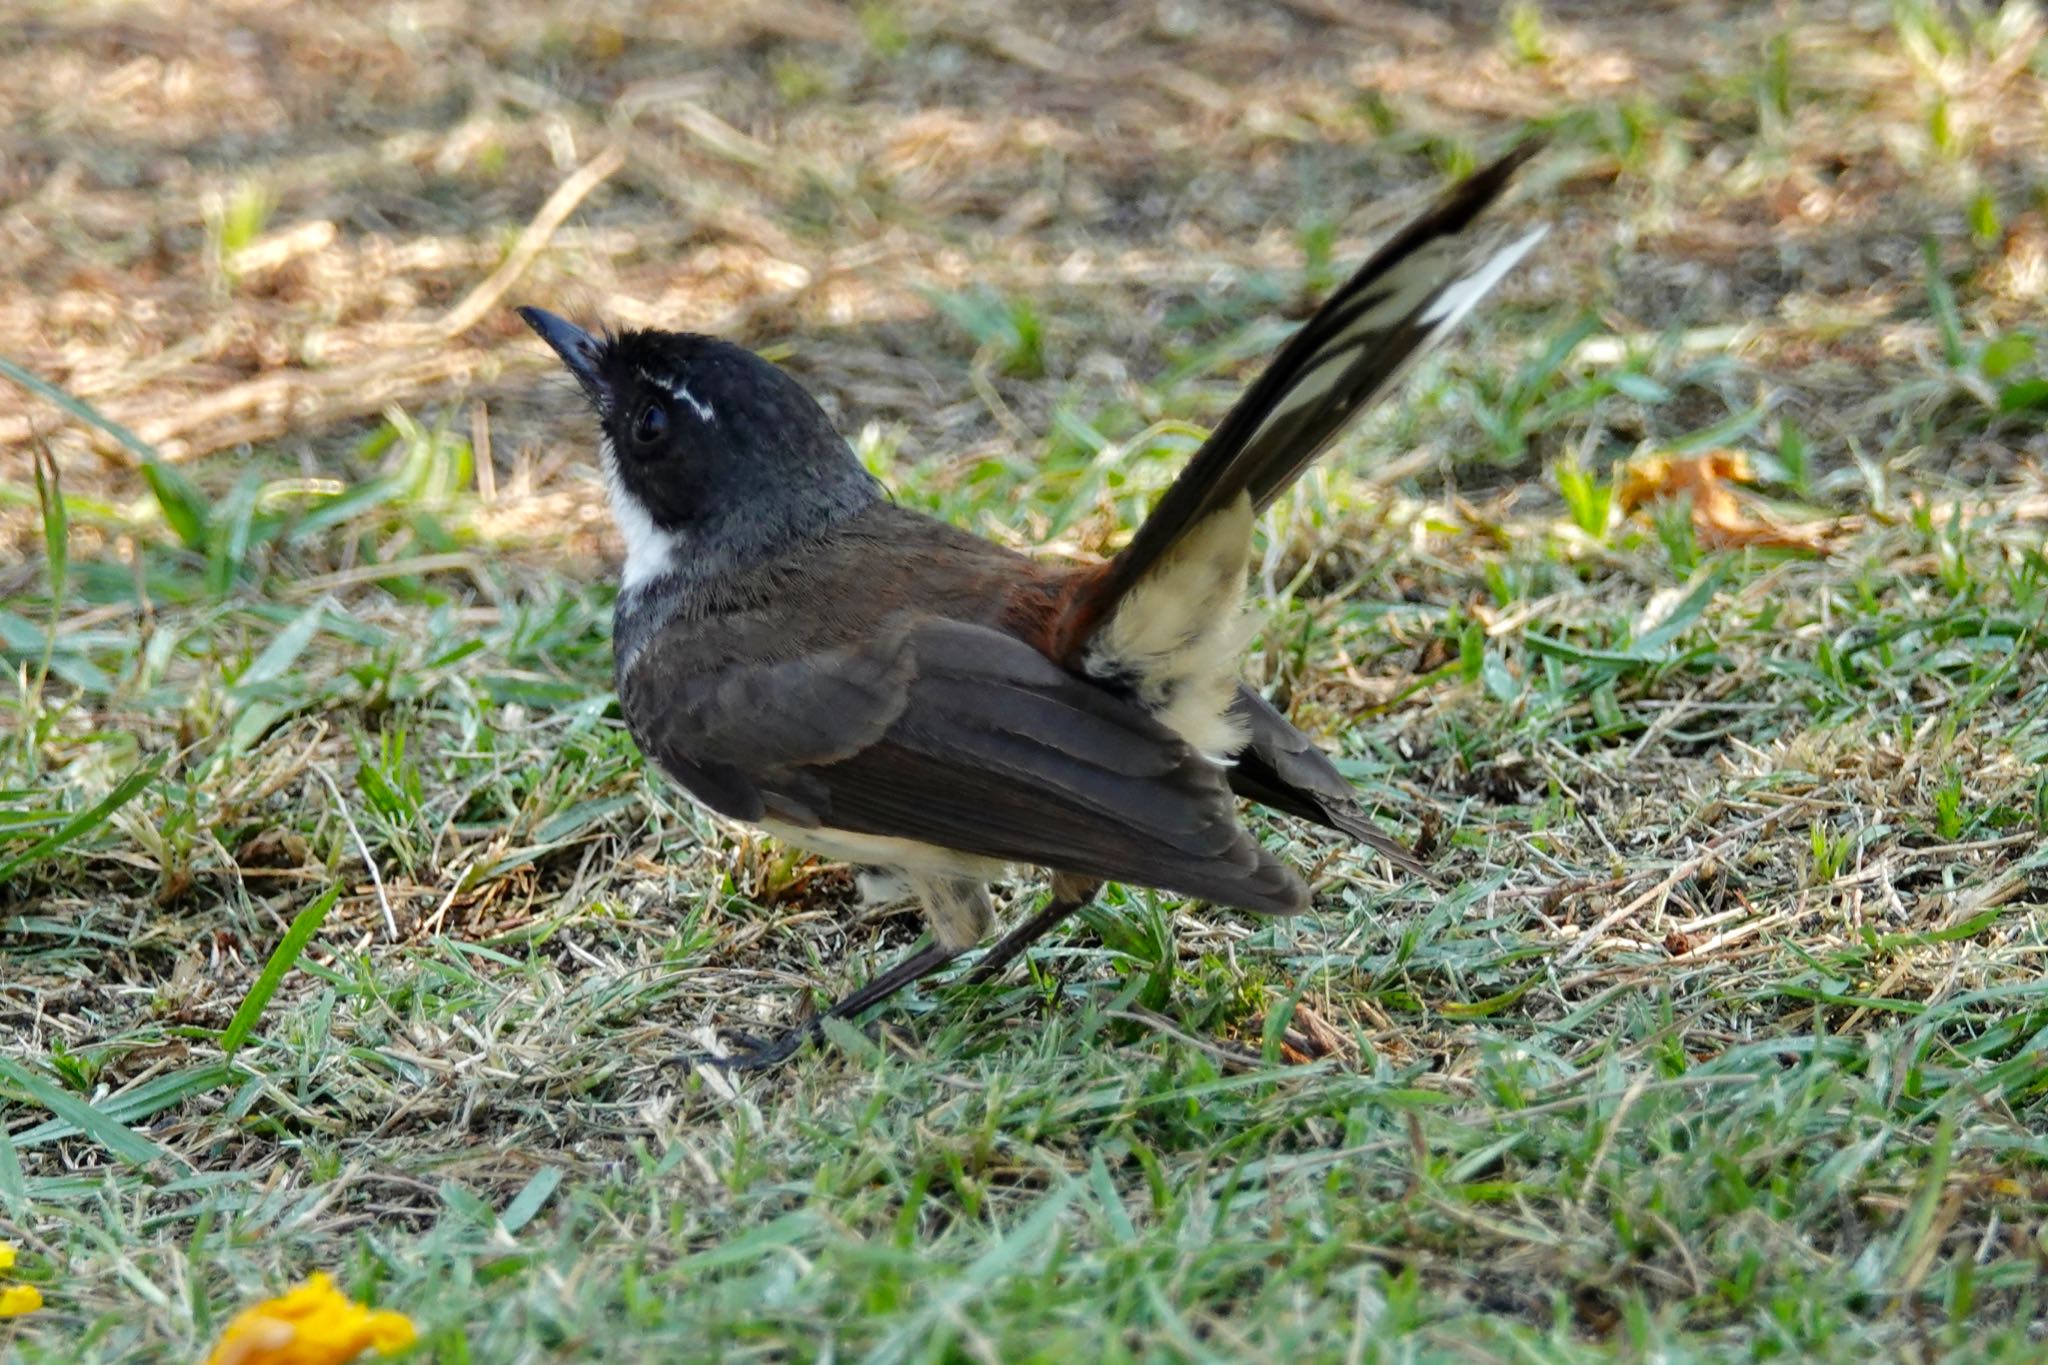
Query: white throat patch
{"type": "Point", "coordinates": [650, 551]}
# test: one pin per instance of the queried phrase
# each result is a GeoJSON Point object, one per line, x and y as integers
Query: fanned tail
{"type": "Point", "coordinates": [1402, 301]}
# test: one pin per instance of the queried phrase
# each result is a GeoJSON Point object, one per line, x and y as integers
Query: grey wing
{"type": "Point", "coordinates": [966, 738]}
{"type": "Point", "coordinates": [737, 738]}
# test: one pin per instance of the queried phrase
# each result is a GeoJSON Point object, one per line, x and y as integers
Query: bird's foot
{"type": "Point", "coordinates": [755, 1053]}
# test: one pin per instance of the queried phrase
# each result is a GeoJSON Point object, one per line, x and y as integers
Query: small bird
{"type": "Point", "coordinates": [799, 653]}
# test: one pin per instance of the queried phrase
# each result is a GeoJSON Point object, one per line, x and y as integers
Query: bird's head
{"type": "Point", "coordinates": [716, 460]}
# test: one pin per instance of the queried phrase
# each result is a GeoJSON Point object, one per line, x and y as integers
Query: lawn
{"type": "Point", "coordinates": [343, 929]}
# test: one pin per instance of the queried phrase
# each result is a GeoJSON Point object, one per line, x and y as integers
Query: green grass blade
{"type": "Point", "coordinates": [301, 930]}
{"type": "Point", "coordinates": [1727, 431]}
{"type": "Point", "coordinates": [140, 1102]}
{"type": "Point", "coordinates": [1492, 1004]}
{"type": "Point", "coordinates": [13, 1188]}
{"type": "Point", "coordinates": [83, 411]}
{"type": "Point", "coordinates": [1911, 1242]}
{"type": "Point", "coordinates": [531, 1199]}
{"type": "Point", "coordinates": [56, 526]}
{"type": "Point", "coordinates": [1941, 301]}
{"type": "Point", "coordinates": [1684, 614]}
{"type": "Point", "coordinates": [283, 651]}
{"type": "Point", "coordinates": [773, 1235]}
{"type": "Point", "coordinates": [118, 1139]}
{"type": "Point", "coordinates": [184, 507]}
{"type": "Point", "coordinates": [85, 820]}
{"type": "Point", "coordinates": [56, 549]}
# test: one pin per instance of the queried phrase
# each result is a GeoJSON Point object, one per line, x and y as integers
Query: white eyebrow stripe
{"type": "Point", "coordinates": [676, 390]}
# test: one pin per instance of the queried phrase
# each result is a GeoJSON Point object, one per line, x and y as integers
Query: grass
{"type": "Point", "coordinates": [341, 927]}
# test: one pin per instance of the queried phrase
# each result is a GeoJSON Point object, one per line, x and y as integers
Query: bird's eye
{"type": "Point", "coordinates": [651, 425]}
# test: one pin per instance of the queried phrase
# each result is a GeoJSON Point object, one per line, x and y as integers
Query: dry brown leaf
{"type": "Point", "coordinates": [1721, 516]}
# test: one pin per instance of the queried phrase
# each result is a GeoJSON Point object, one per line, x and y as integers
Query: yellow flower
{"type": "Point", "coordinates": [16, 1299]}
{"type": "Point", "coordinates": [314, 1324]}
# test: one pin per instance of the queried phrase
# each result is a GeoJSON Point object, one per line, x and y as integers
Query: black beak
{"type": "Point", "coordinates": [577, 348]}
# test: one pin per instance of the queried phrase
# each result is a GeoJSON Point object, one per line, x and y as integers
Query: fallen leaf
{"type": "Point", "coordinates": [1721, 516]}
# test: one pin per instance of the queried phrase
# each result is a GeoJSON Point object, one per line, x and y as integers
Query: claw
{"type": "Point", "coordinates": [754, 1053]}
{"type": "Point", "coordinates": [759, 1054]}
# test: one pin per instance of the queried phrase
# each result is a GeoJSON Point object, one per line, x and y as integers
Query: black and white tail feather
{"type": "Point", "coordinates": [1401, 303]}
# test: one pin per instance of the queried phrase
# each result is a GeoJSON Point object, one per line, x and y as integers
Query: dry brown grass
{"type": "Point", "coordinates": [1724, 1032]}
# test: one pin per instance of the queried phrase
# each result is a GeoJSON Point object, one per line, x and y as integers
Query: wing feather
{"type": "Point", "coordinates": [962, 737]}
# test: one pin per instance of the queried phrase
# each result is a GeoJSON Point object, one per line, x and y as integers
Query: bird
{"type": "Point", "coordinates": [798, 652]}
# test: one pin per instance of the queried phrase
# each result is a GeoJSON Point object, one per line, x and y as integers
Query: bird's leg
{"type": "Point", "coordinates": [1069, 894]}
{"type": "Point", "coordinates": [960, 916]}
{"type": "Point", "coordinates": [918, 965]}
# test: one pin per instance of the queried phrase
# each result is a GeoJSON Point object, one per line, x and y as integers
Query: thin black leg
{"type": "Point", "coordinates": [1067, 897]}
{"type": "Point", "coordinates": [917, 966]}
{"type": "Point", "coordinates": [1029, 932]}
